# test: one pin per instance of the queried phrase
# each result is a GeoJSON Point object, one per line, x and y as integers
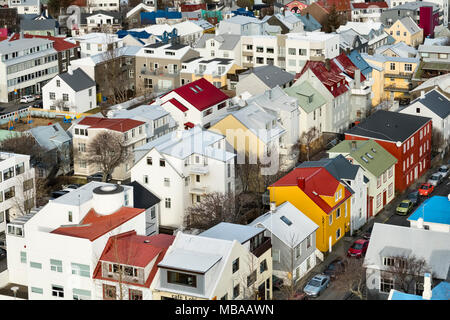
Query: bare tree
{"type": "Point", "coordinates": [249, 277]}
{"type": "Point", "coordinates": [307, 138]}
{"type": "Point", "coordinates": [353, 279]}
{"type": "Point", "coordinates": [61, 105]}
{"type": "Point", "coordinates": [107, 150]}
{"type": "Point", "coordinates": [407, 270]}
{"type": "Point", "coordinates": [437, 141]}
{"type": "Point", "coordinates": [291, 283]}
{"type": "Point", "coordinates": [24, 194]}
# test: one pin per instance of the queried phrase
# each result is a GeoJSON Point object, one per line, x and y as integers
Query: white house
{"type": "Point", "coordinates": [55, 250]}
{"type": "Point", "coordinates": [94, 43]}
{"type": "Point", "coordinates": [241, 25]}
{"type": "Point", "coordinates": [26, 6]}
{"type": "Point", "coordinates": [226, 46]}
{"type": "Point", "coordinates": [436, 106]}
{"type": "Point", "coordinates": [17, 187]}
{"type": "Point", "coordinates": [107, 5]}
{"type": "Point", "coordinates": [72, 91]}
{"type": "Point", "coordinates": [180, 167]}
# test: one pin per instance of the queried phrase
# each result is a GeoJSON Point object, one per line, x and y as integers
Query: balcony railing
{"type": "Point", "coordinates": [198, 168]}
{"type": "Point", "coordinates": [198, 188]}
{"type": "Point", "coordinates": [160, 71]}
{"type": "Point", "coordinates": [402, 75]}
{"type": "Point", "coordinates": [398, 89]}
{"type": "Point", "coordinates": [263, 247]}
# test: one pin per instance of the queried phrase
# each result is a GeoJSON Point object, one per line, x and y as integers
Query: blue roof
{"type": "Point", "coordinates": [440, 292]}
{"type": "Point", "coordinates": [135, 34]}
{"type": "Point", "coordinates": [150, 17]}
{"type": "Point", "coordinates": [309, 23]}
{"type": "Point", "coordinates": [435, 210]}
{"type": "Point", "coordinates": [359, 62]}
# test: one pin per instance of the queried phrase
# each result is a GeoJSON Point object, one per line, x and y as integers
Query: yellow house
{"type": "Point", "coordinates": [321, 197]}
{"type": "Point", "coordinates": [407, 31]}
{"type": "Point", "coordinates": [391, 76]}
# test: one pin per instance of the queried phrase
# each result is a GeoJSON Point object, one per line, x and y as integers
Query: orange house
{"type": "Point", "coordinates": [325, 200]}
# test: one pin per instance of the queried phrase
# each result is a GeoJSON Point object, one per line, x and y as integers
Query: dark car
{"type": "Point", "coordinates": [59, 193]}
{"type": "Point", "coordinates": [335, 268]}
{"type": "Point", "coordinates": [2, 254]}
{"type": "Point", "coordinates": [98, 177]}
{"type": "Point", "coordinates": [3, 244]}
{"type": "Point", "coordinates": [73, 186]}
{"type": "Point", "coordinates": [277, 283]}
{"type": "Point", "coordinates": [367, 233]}
{"type": "Point", "coordinates": [38, 105]}
{"type": "Point", "coordinates": [414, 197]}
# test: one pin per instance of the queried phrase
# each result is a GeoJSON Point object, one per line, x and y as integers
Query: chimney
{"type": "Point", "coordinates": [273, 207]}
{"type": "Point", "coordinates": [422, 94]}
{"type": "Point", "coordinates": [357, 78]}
{"type": "Point", "coordinates": [426, 295]}
{"type": "Point", "coordinates": [327, 64]}
{"type": "Point", "coordinates": [353, 145]}
{"type": "Point", "coordinates": [69, 70]}
{"type": "Point", "coordinates": [307, 15]}
{"type": "Point", "coordinates": [420, 223]}
{"type": "Point", "coordinates": [21, 35]}
{"type": "Point", "coordinates": [301, 182]}
{"type": "Point", "coordinates": [179, 133]}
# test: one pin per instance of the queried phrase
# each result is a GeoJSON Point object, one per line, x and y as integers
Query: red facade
{"type": "Point", "coordinates": [413, 155]}
{"type": "Point", "coordinates": [428, 20]}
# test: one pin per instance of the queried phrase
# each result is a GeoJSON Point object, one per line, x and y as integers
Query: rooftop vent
{"type": "Point", "coordinates": [365, 159]}
{"type": "Point", "coordinates": [286, 220]}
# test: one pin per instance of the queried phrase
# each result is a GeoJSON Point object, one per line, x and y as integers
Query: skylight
{"type": "Point", "coordinates": [369, 155]}
{"type": "Point", "coordinates": [286, 220]}
{"type": "Point", "coordinates": [365, 159]}
{"type": "Point", "coordinates": [373, 150]}
{"type": "Point", "coordinates": [193, 89]}
{"type": "Point", "coordinates": [199, 89]}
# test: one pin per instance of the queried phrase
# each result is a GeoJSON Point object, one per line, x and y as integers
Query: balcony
{"type": "Point", "coordinates": [247, 53]}
{"type": "Point", "coordinates": [398, 88]}
{"type": "Point", "coordinates": [402, 75]}
{"type": "Point", "coordinates": [198, 188]}
{"type": "Point", "coordinates": [198, 168]}
{"type": "Point", "coordinates": [317, 57]}
{"type": "Point", "coordinates": [263, 247]}
{"type": "Point", "coordinates": [247, 64]}
{"type": "Point", "coordinates": [160, 72]}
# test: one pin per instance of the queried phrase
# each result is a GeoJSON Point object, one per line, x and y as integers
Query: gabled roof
{"type": "Point", "coordinates": [309, 99]}
{"type": "Point", "coordinates": [410, 25]}
{"type": "Point", "coordinates": [443, 82]}
{"type": "Point", "coordinates": [388, 125]}
{"type": "Point", "coordinates": [342, 64]}
{"type": "Point", "coordinates": [339, 167]}
{"type": "Point", "coordinates": [232, 231]}
{"type": "Point", "coordinates": [309, 23]}
{"type": "Point", "coordinates": [59, 43]}
{"type": "Point", "coordinates": [435, 210]}
{"type": "Point", "coordinates": [365, 5]}
{"type": "Point", "coordinates": [78, 80]}
{"type": "Point", "coordinates": [95, 225]}
{"type": "Point", "coordinates": [400, 48]}
{"type": "Point", "coordinates": [359, 62]}
{"type": "Point", "coordinates": [203, 98]}
{"type": "Point", "coordinates": [318, 182]}
{"type": "Point", "coordinates": [31, 25]}
{"type": "Point", "coordinates": [121, 125]}
{"type": "Point", "coordinates": [270, 75]}
{"type": "Point", "coordinates": [51, 136]}
{"type": "Point", "coordinates": [227, 41]}
{"type": "Point", "coordinates": [142, 197]}
{"type": "Point", "coordinates": [379, 161]}
{"type": "Point", "coordinates": [436, 102]}
{"type": "Point", "coordinates": [291, 235]}
{"type": "Point", "coordinates": [429, 245]}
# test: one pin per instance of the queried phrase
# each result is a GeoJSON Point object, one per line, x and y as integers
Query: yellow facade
{"type": "Point", "coordinates": [214, 78]}
{"type": "Point", "coordinates": [402, 34]}
{"type": "Point", "coordinates": [298, 198]}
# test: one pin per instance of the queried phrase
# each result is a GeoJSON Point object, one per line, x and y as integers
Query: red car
{"type": "Point", "coordinates": [425, 189]}
{"type": "Point", "coordinates": [358, 248]}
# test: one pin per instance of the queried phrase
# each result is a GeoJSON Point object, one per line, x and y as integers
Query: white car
{"type": "Point", "coordinates": [435, 179]}
{"type": "Point", "coordinates": [443, 171]}
{"type": "Point", "coordinates": [26, 99]}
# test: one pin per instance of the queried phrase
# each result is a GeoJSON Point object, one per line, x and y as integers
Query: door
{"type": "Point", "coordinates": [370, 207]}
{"type": "Point", "coordinates": [384, 198]}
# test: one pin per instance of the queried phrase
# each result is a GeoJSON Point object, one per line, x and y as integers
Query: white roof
{"type": "Point", "coordinates": [156, 29]}
{"type": "Point", "coordinates": [146, 112]}
{"type": "Point", "coordinates": [363, 28]}
{"type": "Point", "coordinates": [21, 44]}
{"type": "Point", "coordinates": [442, 81]}
{"type": "Point", "coordinates": [98, 38]}
{"type": "Point", "coordinates": [275, 99]}
{"type": "Point", "coordinates": [212, 65]}
{"type": "Point", "coordinates": [139, 7]}
{"type": "Point", "coordinates": [159, 51]}
{"type": "Point", "coordinates": [187, 27]}
{"type": "Point", "coordinates": [105, 56]}
{"type": "Point", "coordinates": [293, 234]}
{"type": "Point", "coordinates": [311, 36]}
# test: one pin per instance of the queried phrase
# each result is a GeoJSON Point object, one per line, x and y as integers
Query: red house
{"type": "Point", "coordinates": [406, 137]}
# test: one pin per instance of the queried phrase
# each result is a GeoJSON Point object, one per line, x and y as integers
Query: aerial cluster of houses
{"type": "Point", "coordinates": [195, 93]}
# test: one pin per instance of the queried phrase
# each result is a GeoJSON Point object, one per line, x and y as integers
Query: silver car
{"type": "Point", "coordinates": [443, 171]}
{"type": "Point", "coordinates": [435, 179]}
{"type": "Point", "coordinates": [316, 285]}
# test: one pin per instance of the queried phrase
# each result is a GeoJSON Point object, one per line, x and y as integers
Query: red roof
{"type": "Point", "coordinates": [131, 249]}
{"type": "Point", "coordinates": [349, 68]}
{"type": "Point", "coordinates": [318, 182]}
{"type": "Point", "coordinates": [341, 5]}
{"type": "Point", "coordinates": [59, 44]}
{"type": "Point", "coordinates": [95, 225]}
{"type": "Point", "coordinates": [121, 125]}
{"type": "Point", "coordinates": [201, 93]}
{"type": "Point", "coordinates": [193, 7]}
{"type": "Point", "coordinates": [177, 104]}
{"type": "Point", "coordinates": [330, 78]}
{"type": "Point", "coordinates": [189, 125]}
{"type": "Point", "coordinates": [365, 5]}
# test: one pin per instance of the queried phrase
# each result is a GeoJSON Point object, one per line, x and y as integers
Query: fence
{"type": "Point", "coordinates": [4, 118]}
{"type": "Point", "coordinates": [47, 113]}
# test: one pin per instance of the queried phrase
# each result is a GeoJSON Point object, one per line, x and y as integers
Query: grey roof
{"type": "Point", "coordinates": [78, 80]}
{"type": "Point", "coordinates": [436, 102]}
{"type": "Point", "coordinates": [232, 231]}
{"type": "Point", "coordinates": [26, 3]}
{"type": "Point", "coordinates": [414, 6]}
{"type": "Point", "coordinates": [399, 48]}
{"type": "Point", "coordinates": [410, 25]}
{"type": "Point", "coordinates": [442, 82]}
{"type": "Point", "coordinates": [388, 125]}
{"type": "Point", "coordinates": [142, 197]}
{"type": "Point", "coordinates": [434, 49]}
{"type": "Point", "coordinates": [143, 113]}
{"type": "Point", "coordinates": [242, 20]}
{"type": "Point", "coordinates": [198, 261]}
{"type": "Point", "coordinates": [338, 167]}
{"type": "Point", "coordinates": [387, 239]}
{"type": "Point", "coordinates": [348, 37]}
{"type": "Point", "coordinates": [21, 44]}
{"type": "Point", "coordinates": [291, 235]}
{"type": "Point", "coordinates": [228, 41]}
{"type": "Point", "coordinates": [270, 75]}
{"type": "Point", "coordinates": [82, 194]}
{"type": "Point", "coordinates": [46, 24]}
{"type": "Point", "coordinates": [50, 137]}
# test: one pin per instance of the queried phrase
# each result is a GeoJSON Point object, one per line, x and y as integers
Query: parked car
{"type": "Point", "coordinates": [2, 254]}
{"type": "Point", "coordinates": [426, 189]}
{"type": "Point", "coordinates": [435, 179]}
{"type": "Point", "coordinates": [358, 248]}
{"type": "Point", "coordinates": [38, 105]}
{"type": "Point", "coordinates": [316, 285]}
{"type": "Point", "coordinates": [3, 244]}
{"type": "Point", "coordinates": [335, 268]}
{"type": "Point", "coordinates": [37, 96]}
{"type": "Point", "coordinates": [26, 99]}
{"type": "Point", "coordinates": [443, 171]}
{"type": "Point", "coordinates": [368, 232]}
{"type": "Point", "coordinates": [414, 197]}
{"type": "Point", "coordinates": [98, 177]}
{"type": "Point", "coordinates": [277, 283]}
{"type": "Point", "coordinates": [404, 207]}
{"type": "Point", "coordinates": [59, 193]}
{"type": "Point", "coordinates": [72, 186]}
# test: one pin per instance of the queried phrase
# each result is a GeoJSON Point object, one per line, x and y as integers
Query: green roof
{"type": "Point", "coordinates": [309, 99]}
{"type": "Point", "coordinates": [377, 162]}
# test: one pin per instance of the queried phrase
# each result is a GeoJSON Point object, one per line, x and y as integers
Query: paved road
{"type": "Point", "coordinates": [11, 107]}
{"type": "Point", "coordinates": [3, 265]}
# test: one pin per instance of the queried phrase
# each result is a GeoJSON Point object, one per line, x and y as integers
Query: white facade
{"type": "Point", "coordinates": [94, 43]}
{"type": "Point", "coordinates": [241, 25]}
{"type": "Point", "coordinates": [26, 6]}
{"type": "Point", "coordinates": [358, 210]}
{"type": "Point", "coordinates": [106, 5]}
{"type": "Point", "coordinates": [215, 49]}
{"type": "Point", "coordinates": [41, 259]}
{"type": "Point", "coordinates": [15, 170]}
{"type": "Point", "coordinates": [26, 65]}
{"type": "Point", "coordinates": [182, 166]}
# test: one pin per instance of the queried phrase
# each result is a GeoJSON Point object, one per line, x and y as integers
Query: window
{"type": "Point", "coordinates": [135, 294]}
{"type": "Point", "coordinates": [80, 269]}
{"type": "Point", "coordinates": [443, 55]}
{"type": "Point", "coordinates": [391, 171]}
{"type": "Point", "coordinates": [162, 162]}
{"type": "Point", "coordinates": [56, 265]}
{"type": "Point", "coordinates": [236, 291]}
{"type": "Point", "coordinates": [390, 189]}
{"type": "Point", "coordinates": [2, 215]}
{"type": "Point", "coordinates": [392, 66]}
{"type": "Point", "coordinates": [149, 161]}
{"type": "Point", "coordinates": [291, 51]}
{"type": "Point", "coordinates": [228, 170]}
{"type": "Point", "coordinates": [37, 290]}
{"type": "Point", "coordinates": [308, 242]}
{"type": "Point", "coordinates": [79, 294]}
{"type": "Point", "coordinates": [378, 181]}
{"type": "Point", "coordinates": [57, 291]}
{"type": "Point", "coordinates": [379, 200]}
{"type": "Point", "coordinates": [182, 278]}
{"type": "Point", "coordinates": [419, 288]}
{"type": "Point", "coordinates": [82, 147]}
{"type": "Point", "coordinates": [330, 218]}
{"type": "Point", "coordinates": [83, 164]}
{"type": "Point", "coordinates": [263, 266]}
{"type": "Point", "coordinates": [412, 142]}
{"type": "Point", "coordinates": [20, 168]}
{"type": "Point", "coordinates": [58, 83]}
{"type": "Point", "coordinates": [251, 278]}
{"type": "Point", "coordinates": [35, 265]}
{"type": "Point", "coordinates": [408, 67]}
{"type": "Point", "coordinates": [386, 284]}
{"type": "Point", "coordinates": [168, 203]}
{"type": "Point", "coordinates": [9, 193]}
{"type": "Point", "coordinates": [298, 251]}
{"type": "Point", "coordinates": [338, 212]}
{"type": "Point", "coordinates": [384, 176]}
{"type": "Point", "coordinates": [109, 292]}
{"type": "Point", "coordinates": [166, 182]}
{"type": "Point", "coordinates": [235, 265]}
{"type": "Point", "coordinates": [388, 261]}
{"type": "Point", "coordinates": [65, 97]}
{"type": "Point", "coordinates": [276, 255]}
{"type": "Point", "coordinates": [8, 173]}
{"type": "Point", "coordinates": [23, 257]}
{"type": "Point", "coordinates": [338, 233]}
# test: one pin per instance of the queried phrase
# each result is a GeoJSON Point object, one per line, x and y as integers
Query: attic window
{"type": "Point", "coordinates": [369, 155]}
{"type": "Point", "coordinates": [286, 220]}
{"type": "Point", "coordinates": [373, 150]}
{"type": "Point", "coordinates": [365, 159]}
{"type": "Point", "coordinates": [310, 99]}
{"type": "Point", "coordinates": [56, 128]}
{"type": "Point", "coordinates": [199, 89]}
{"type": "Point", "coordinates": [193, 89]}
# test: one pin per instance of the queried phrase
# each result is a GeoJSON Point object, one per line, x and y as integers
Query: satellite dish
{"type": "Point", "coordinates": [399, 144]}
{"type": "Point", "coordinates": [448, 197]}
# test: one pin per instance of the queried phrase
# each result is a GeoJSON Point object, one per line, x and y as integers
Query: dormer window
{"type": "Point", "coordinates": [182, 279]}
